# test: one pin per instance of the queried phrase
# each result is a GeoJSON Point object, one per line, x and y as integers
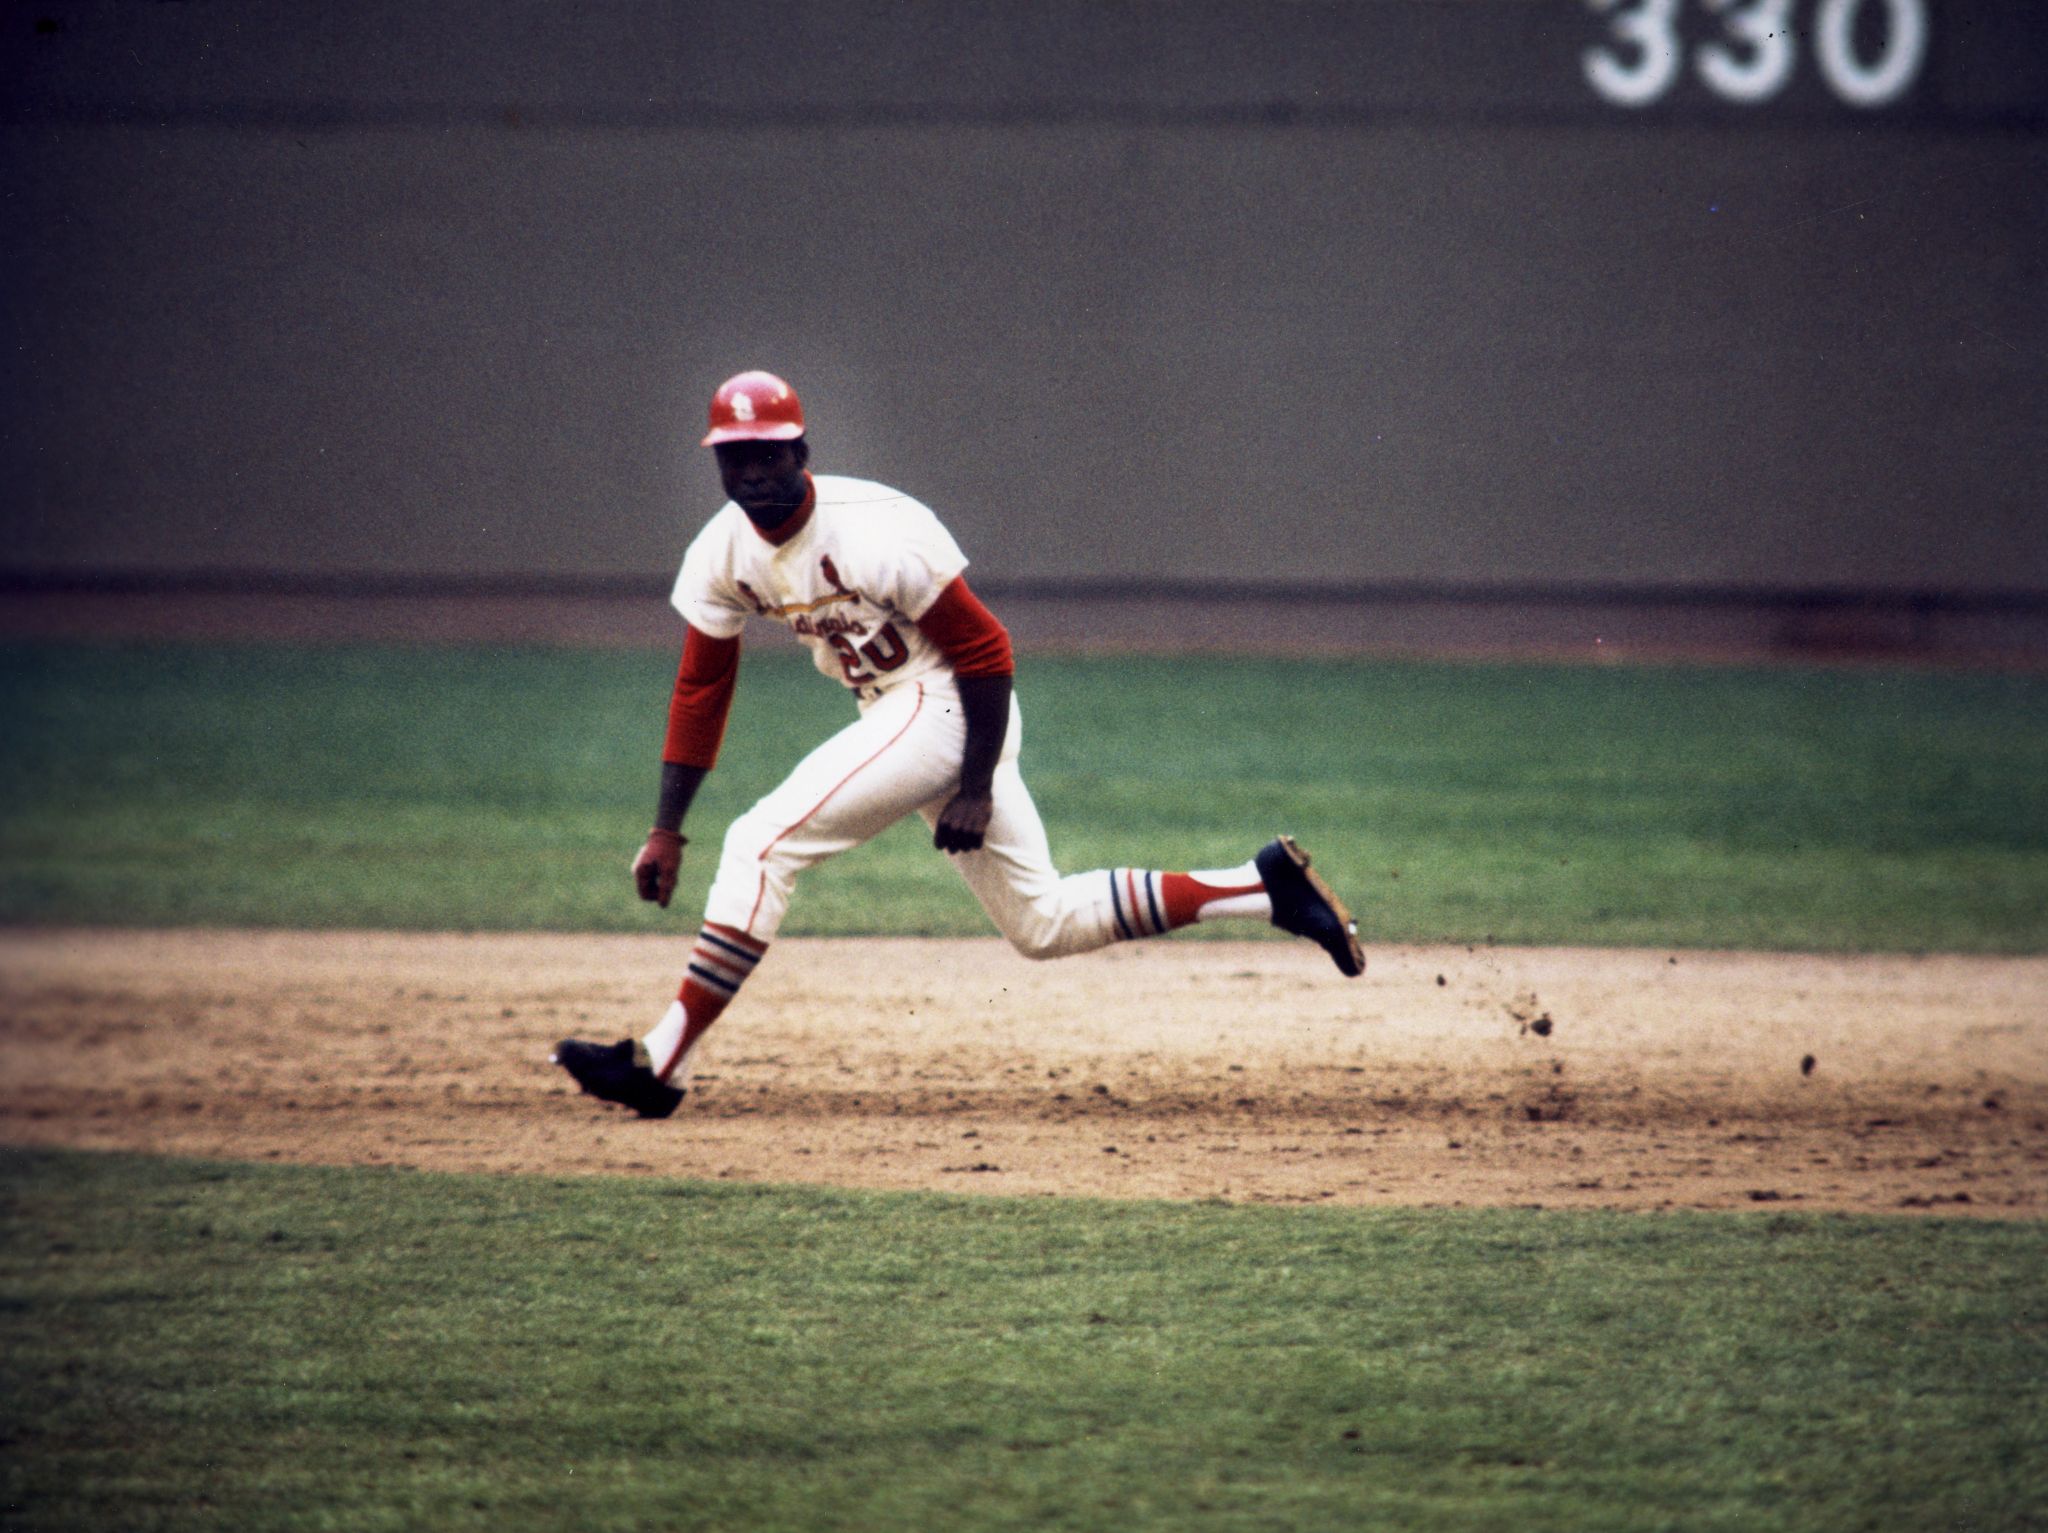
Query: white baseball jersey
{"type": "Point", "coordinates": [851, 584]}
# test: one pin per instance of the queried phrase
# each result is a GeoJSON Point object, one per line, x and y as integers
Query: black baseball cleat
{"type": "Point", "coordinates": [617, 1074]}
{"type": "Point", "coordinates": [1306, 906]}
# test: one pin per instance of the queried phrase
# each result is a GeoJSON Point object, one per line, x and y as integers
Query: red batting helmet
{"type": "Point", "coordinates": [755, 407]}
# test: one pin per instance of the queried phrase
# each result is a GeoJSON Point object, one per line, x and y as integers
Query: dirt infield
{"type": "Point", "coordinates": [1242, 1070]}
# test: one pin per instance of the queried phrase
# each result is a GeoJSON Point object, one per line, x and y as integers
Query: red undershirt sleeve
{"type": "Point", "coordinates": [967, 633]}
{"type": "Point", "coordinates": [702, 698]}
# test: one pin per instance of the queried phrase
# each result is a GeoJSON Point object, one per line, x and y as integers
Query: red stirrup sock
{"type": "Point", "coordinates": [719, 965]}
{"type": "Point", "coordinates": [1150, 903]}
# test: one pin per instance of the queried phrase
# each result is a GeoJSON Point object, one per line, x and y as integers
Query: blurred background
{"type": "Point", "coordinates": [1440, 323]}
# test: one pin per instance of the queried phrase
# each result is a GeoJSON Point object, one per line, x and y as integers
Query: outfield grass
{"type": "Point", "coordinates": [506, 789]}
{"type": "Point", "coordinates": [195, 1345]}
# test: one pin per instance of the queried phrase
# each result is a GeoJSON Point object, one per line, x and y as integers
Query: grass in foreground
{"type": "Point", "coordinates": [198, 1345]}
{"type": "Point", "coordinates": [507, 789]}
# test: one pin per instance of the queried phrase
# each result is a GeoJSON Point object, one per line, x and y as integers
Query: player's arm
{"type": "Point", "coordinates": [963, 823]}
{"type": "Point", "coordinates": [977, 647]}
{"type": "Point", "coordinates": [697, 712]}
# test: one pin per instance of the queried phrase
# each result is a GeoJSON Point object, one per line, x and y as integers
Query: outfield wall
{"type": "Point", "coordinates": [1475, 295]}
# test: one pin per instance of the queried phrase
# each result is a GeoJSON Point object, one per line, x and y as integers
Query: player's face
{"type": "Point", "coordinates": [765, 478]}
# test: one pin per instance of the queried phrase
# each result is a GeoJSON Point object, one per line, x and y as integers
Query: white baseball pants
{"type": "Point", "coordinates": [900, 757]}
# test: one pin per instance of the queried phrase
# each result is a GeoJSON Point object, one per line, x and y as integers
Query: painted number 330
{"type": "Point", "coordinates": [1753, 57]}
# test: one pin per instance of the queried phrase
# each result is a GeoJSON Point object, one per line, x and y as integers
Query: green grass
{"type": "Point", "coordinates": [475, 788]}
{"type": "Point", "coordinates": [188, 1344]}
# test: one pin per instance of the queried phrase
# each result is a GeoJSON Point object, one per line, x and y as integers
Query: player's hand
{"type": "Point", "coordinates": [655, 869]}
{"type": "Point", "coordinates": [963, 823]}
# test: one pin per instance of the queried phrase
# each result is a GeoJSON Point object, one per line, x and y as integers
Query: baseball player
{"type": "Point", "coordinates": [876, 589]}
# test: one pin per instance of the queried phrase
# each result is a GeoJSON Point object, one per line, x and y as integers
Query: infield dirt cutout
{"type": "Point", "coordinates": [1241, 1070]}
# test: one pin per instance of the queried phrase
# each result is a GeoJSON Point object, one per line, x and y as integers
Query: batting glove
{"type": "Point", "coordinates": [655, 869]}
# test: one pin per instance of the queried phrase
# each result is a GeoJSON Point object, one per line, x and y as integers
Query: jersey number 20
{"type": "Point", "coordinates": [885, 651]}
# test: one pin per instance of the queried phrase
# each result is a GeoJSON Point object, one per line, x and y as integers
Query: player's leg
{"type": "Point", "coordinates": [1041, 913]}
{"type": "Point", "coordinates": [901, 751]}
{"type": "Point", "coordinates": [904, 747]}
{"type": "Point", "coordinates": [1045, 915]}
